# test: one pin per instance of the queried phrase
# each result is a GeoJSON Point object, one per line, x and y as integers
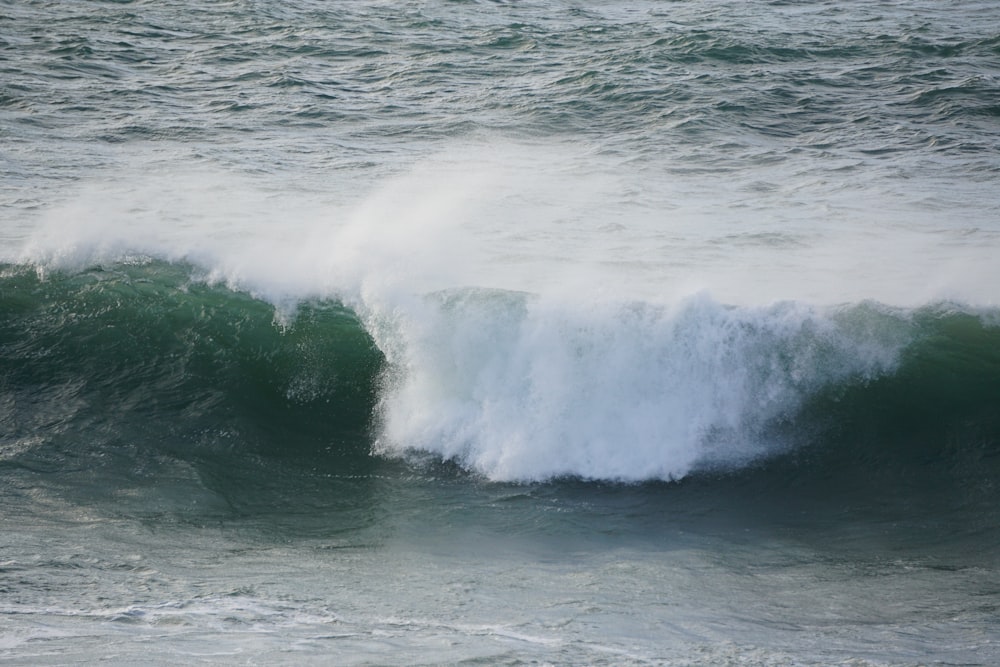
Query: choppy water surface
{"type": "Point", "coordinates": [499, 333]}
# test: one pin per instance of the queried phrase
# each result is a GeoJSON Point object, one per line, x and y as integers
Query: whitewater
{"type": "Point", "coordinates": [474, 332]}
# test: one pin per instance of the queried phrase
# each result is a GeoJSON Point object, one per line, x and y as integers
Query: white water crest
{"type": "Point", "coordinates": [522, 388]}
{"type": "Point", "coordinates": [543, 311]}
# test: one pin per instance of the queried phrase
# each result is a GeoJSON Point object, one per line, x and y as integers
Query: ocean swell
{"type": "Point", "coordinates": [140, 360]}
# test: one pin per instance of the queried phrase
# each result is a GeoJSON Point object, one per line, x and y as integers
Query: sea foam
{"type": "Point", "coordinates": [526, 388]}
{"type": "Point", "coordinates": [521, 353]}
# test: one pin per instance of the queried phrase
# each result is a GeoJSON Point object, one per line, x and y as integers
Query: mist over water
{"type": "Point", "coordinates": [540, 218]}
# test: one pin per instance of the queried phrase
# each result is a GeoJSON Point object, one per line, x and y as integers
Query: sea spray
{"type": "Point", "coordinates": [521, 387]}
{"type": "Point", "coordinates": [583, 374]}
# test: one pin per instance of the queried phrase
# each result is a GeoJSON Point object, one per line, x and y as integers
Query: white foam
{"type": "Point", "coordinates": [536, 388]}
{"type": "Point", "coordinates": [667, 323]}
{"type": "Point", "coordinates": [544, 219]}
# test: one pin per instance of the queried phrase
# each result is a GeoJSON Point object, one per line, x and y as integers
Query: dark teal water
{"type": "Point", "coordinates": [180, 427]}
{"type": "Point", "coordinates": [490, 333]}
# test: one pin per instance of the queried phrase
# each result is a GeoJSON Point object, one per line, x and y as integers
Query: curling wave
{"type": "Point", "coordinates": [139, 360]}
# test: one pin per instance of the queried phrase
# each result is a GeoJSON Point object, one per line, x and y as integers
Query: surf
{"type": "Point", "coordinates": [511, 386]}
{"type": "Point", "coordinates": [436, 310]}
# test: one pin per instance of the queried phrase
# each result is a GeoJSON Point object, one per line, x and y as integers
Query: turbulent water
{"type": "Point", "coordinates": [549, 332]}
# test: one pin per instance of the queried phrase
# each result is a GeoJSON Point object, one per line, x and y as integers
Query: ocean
{"type": "Point", "coordinates": [553, 332]}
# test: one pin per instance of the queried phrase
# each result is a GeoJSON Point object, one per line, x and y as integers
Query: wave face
{"type": "Point", "coordinates": [138, 362]}
{"type": "Point", "coordinates": [127, 364]}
